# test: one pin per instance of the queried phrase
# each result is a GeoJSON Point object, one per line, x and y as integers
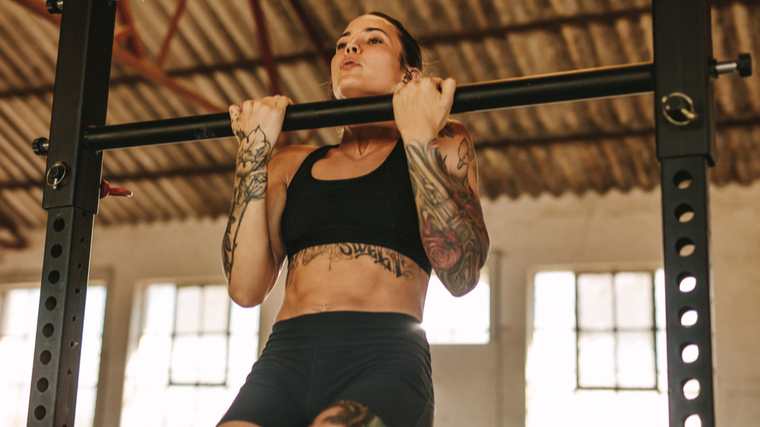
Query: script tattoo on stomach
{"type": "Point", "coordinates": [388, 259]}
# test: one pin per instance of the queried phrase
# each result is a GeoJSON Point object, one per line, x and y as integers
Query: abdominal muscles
{"type": "Point", "coordinates": [353, 277]}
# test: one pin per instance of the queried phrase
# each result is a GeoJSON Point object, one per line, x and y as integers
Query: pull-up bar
{"type": "Point", "coordinates": [680, 76]}
{"type": "Point", "coordinates": [551, 88]}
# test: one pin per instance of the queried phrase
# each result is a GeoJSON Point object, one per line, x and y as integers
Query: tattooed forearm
{"type": "Point", "coordinates": [388, 259]}
{"type": "Point", "coordinates": [451, 220]}
{"type": "Point", "coordinates": [250, 185]}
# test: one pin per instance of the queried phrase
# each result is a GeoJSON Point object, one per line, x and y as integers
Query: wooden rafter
{"type": "Point", "coordinates": [266, 49]}
{"type": "Point", "coordinates": [124, 16]}
{"type": "Point", "coordinates": [269, 63]}
{"type": "Point", "coordinates": [170, 32]}
{"type": "Point", "coordinates": [141, 65]}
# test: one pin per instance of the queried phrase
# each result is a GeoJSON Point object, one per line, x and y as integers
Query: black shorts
{"type": "Point", "coordinates": [380, 360]}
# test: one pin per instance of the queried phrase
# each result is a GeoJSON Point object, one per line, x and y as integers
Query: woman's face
{"type": "Point", "coordinates": [366, 60]}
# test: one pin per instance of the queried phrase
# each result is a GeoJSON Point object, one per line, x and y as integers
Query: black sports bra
{"type": "Point", "coordinates": [377, 209]}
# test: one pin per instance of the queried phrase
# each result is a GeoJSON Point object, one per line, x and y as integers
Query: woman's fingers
{"type": "Point", "coordinates": [234, 112]}
{"type": "Point", "coordinates": [448, 87]}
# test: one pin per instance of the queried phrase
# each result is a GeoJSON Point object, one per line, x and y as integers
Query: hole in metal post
{"type": "Point", "coordinates": [45, 357]}
{"type": "Point", "coordinates": [685, 247]}
{"type": "Point", "coordinates": [79, 266]}
{"type": "Point", "coordinates": [68, 372]}
{"type": "Point", "coordinates": [81, 240]}
{"type": "Point", "coordinates": [48, 330]}
{"type": "Point", "coordinates": [42, 385]}
{"type": "Point", "coordinates": [39, 412]}
{"type": "Point", "coordinates": [58, 224]}
{"type": "Point", "coordinates": [690, 353]}
{"type": "Point", "coordinates": [687, 283]}
{"type": "Point", "coordinates": [689, 318]}
{"type": "Point", "coordinates": [684, 213]}
{"type": "Point", "coordinates": [53, 277]}
{"type": "Point", "coordinates": [73, 318]}
{"type": "Point", "coordinates": [50, 303]}
{"type": "Point", "coordinates": [693, 421]}
{"type": "Point", "coordinates": [691, 389]}
{"type": "Point", "coordinates": [682, 179]}
{"type": "Point", "coordinates": [56, 251]}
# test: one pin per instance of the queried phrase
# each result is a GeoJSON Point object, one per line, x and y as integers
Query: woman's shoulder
{"type": "Point", "coordinates": [291, 154]}
{"type": "Point", "coordinates": [286, 161]}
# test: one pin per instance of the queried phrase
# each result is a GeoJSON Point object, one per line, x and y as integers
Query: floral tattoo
{"type": "Point", "coordinates": [451, 220]}
{"type": "Point", "coordinates": [250, 185]}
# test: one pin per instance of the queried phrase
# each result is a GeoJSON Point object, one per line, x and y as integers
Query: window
{"type": "Point", "coordinates": [194, 351]}
{"type": "Point", "coordinates": [597, 355]}
{"type": "Point", "coordinates": [458, 320]}
{"type": "Point", "coordinates": [18, 319]}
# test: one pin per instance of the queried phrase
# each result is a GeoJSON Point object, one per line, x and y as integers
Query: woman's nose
{"type": "Point", "coordinates": [352, 47]}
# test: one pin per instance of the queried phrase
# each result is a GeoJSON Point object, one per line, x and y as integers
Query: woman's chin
{"type": "Point", "coordinates": [345, 91]}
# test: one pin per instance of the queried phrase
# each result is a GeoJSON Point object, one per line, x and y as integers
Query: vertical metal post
{"type": "Point", "coordinates": [686, 147]}
{"type": "Point", "coordinates": [71, 198]}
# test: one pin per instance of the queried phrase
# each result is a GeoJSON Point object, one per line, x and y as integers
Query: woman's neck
{"type": "Point", "coordinates": [361, 138]}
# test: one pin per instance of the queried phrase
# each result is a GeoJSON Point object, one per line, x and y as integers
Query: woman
{"type": "Point", "coordinates": [362, 225]}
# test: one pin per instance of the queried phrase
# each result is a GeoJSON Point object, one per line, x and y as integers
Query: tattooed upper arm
{"type": "Point", "coordinates": [444, 178]}
{"type": "Point", "coordinates": [458, 154]}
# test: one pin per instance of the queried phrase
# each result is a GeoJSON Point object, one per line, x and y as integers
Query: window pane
{"type": "Point", "coordinates": [216, 308]}
{"type": "Point", "coordinates": [243, 320]}
{"type": "Point", "coordinates": [633, 300]}
{"type": "Point", "coordinates": [554, 300]}
{"type": "Point", "coordinates": [149, 366]}
{"type": "Point", "coordinates": [207, 365]}
{"type": "Point", "coordinates": [550, 366]}
{"type": "Point", "coordinates": [596, 359]}
{"type": "Point", "coordinates": [20, 312]}
{"type": "Point", "coordinates": [184, 362]}
{"type": "Point", "coordinates": [595, 302]}
{"type": "Point", "coordinates": [213, 359]}
{"type": "Point", "coordinates": [662, 362]}
{"type": "Point", "coordinates": [635, 354]}
{"type": "Point", "coordinates": [659, 297]}
{"type": "Point", "coordinates": [18, 324]}
{"type": "Point", "coordinates": [606, 359]}
{"type": "Point", "coordinates": [188, 309]}
{"type": "Point", "coordinates": [457, 320]}
{"type": "Point", "coordinates": [159, 313]}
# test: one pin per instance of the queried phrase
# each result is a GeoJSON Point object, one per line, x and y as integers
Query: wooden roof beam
{"type": "Point", "coordinates": [170, 32]}
{"type": "Point", "coordinates": [266, 49]}
{"type": "Point", "coordinates": [148, 71]}
{"type": "Point", "coordinates": [125, 18]}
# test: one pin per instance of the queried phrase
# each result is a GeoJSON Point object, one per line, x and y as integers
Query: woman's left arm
{"type": "Point", "coordinates": [444, 175]}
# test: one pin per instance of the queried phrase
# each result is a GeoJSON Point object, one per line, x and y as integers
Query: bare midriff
{"type": "Point", "coordinates": [326, 279]}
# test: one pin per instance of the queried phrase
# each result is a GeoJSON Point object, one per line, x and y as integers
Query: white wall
{"type": "Point", "coordinates": [475, 385]}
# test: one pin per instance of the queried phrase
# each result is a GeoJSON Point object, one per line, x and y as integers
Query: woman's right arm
{"type": "Point", "coordinates": [251, 263]}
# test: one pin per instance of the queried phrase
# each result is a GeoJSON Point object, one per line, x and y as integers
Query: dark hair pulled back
{"type": "Point", "coordinates": [411, 53]}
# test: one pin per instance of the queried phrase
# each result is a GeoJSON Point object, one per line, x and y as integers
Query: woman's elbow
{"type": "Point", "coordinates": [244, 296]}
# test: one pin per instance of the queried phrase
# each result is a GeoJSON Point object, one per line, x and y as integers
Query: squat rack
{"type": "Point", "coordinates": [681, 77]}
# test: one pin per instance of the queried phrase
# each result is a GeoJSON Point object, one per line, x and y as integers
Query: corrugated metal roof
{"type": "Point", "coordinates": [573, 147]}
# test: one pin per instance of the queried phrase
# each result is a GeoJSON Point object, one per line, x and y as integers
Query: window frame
{"type": "Point", "coordinates": [98, 277]}
{"type": "Point", "coordinates": [590, 268]}
{"type": "Point", "coordinates": [138, 317]}
{"type": "Point", "coordinates": [654, 330]}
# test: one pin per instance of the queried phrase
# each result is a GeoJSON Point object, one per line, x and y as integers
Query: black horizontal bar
{"type": "Point", "coordinates": [499, 94]}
